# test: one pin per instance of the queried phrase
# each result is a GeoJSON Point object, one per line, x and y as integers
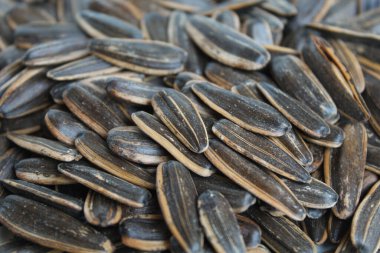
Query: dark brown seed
{"type": "Point", "coordinates": [50, 227]}
{"type": "Point", "coordinates": [368, 181]}
{"type": "Point", "coordinates": [26, 87]}
{"type": "Point", "coordinates": [344, 169]}
{"type": "Point", "coordinates": [185, 5]}
{"type": "Point", "coordinates": [333, 140]}
{"type": "Point", "coordinates": [258, 29]}
{"type": "Point", "coordinates": [145, 234]}
{"type": "Point", "coordinates": [264, 185]}
{"type": "Point", "coordinates": [226, 45]}
{"type": "Point", "coordinates": [295, 146]}
{"type": "Point", "coordinates": [63, 126]}
{"type": "Point", "coordinates": [321, 58]}
{"type": "Point", "coordinates": [219, 223]}
{"type": "Point", "coordinates": [177, 197]}
{"type": "Point", "coordinates": [148, 57]}
{"type": "Point", "coordinates": [99, 25]}
{"type": "Point", "coordinates": [133, 145]}
{"type": "Point", "coordinates": [314, 213]}
{"type": "Point", "coordinates": [8, 73]}
{"type": "Point", "coordinates": [298, 114]}
{"type": "Point", "coordinates": [315, 194]}
{"type": "Point", "coordinates": [183, 78]}
{"type": "Point", "coordinates": [365, 231]}
{"type": "Point", "coordinates": [279, 7]}
{"type": "Point", "coordinates": [91, 110]}
{"type": "Point", "coordinates": [161, 134]}
{"type": "Point", "coordinates": [260, 149]}
{"type": "Point", "coordinates": [337, 228]}
{"type": "Point", "coordinates": [154, 26]}
{"type": "Point", "coordinates": [239, 199]}
{"type": "Point", "coordinates": [28, 124]}
{"type": "Point", "coordinates": [345, 246]}
{"type": "Point", "coordinates": [227, 17]}
{"type": "Point", "coordinates": [177, 36]}
{"type": "Point", "coordinates": [56, 52]}
{"type": "Point", "coordinates": [9, 55]}
{"type": "Point", "coordinates": [132, 91]}
{"type": "Point", "coordinates": [7, 161]}
{"type": "Point", "coordinates": [101, 211]}
{"type": "Point", "coordinates": [250, 231]}
{"type": "Point", "coordinates": [281, 234]}
{"type": "Point", "coordinates": [181, 117]}
{"type": "Point", "coordinates": [316, 229]}
{"type": "Point", "coordinates": [373, 159]}
{"type": "Point", "coordinates": [66, 203]}
{"type": "Point", "coordinates": [250, 114]}
{"type": "Point", "coordinates": [41, 171]}
{"type": "Point", "coordinates": [303, 86]}
{"type": "Point", "coordinates": [318, 152]}
{"type": "Point", "coordinates": [96, 151]}
{"type": "Point", "coordinates": [82, 68]}
{"type": "Point", "coordinates": [45, 147]}
{"type": "Point", "coordinates": [228, 5]}
{"type": "Point", "coordinates": [19, 15]}
{"type": "Point", "coordinates": [19, 245]}
{"type": "Point", "coordinates": [28, 35]}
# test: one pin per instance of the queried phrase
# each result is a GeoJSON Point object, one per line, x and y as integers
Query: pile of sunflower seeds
{"type": "Point", "coordinates": [190, 126]}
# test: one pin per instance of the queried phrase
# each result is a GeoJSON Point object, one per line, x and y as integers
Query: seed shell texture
{"type": "Point", "coordinates": [281, 234]}
{"type": "Point", "coordinates": [177, 197]}
{"type": "Point", "coordinates": [151, 126]}
{"type": "Point", "coordinates": [50, 227]}
{"type": "Point", "coordinates": [45, 147]}
{"type": "Point", "coordinates": [253, 115]}
{"type": "Point", "coordinates": [148, 57]}
{"type": "Point", "coordinates": [226, 45]}
{"type": "Point", "coordinates": [182, 118]}
{"type": "Point", "coordinates": [96, 151]}
{"type": "Point", "coordinates": [344, 169]}
{"type": "Point", "coordinates": [261, 183]}
{"type": "Point", "coordinates": [219, 223]}
{"type": "Point", "coordinates": [133, 145]}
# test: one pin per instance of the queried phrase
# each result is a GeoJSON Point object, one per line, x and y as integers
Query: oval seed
{"type": "Point", "coordinates": [45, 147]}
{"type": "Point", "coordinates": [250, 114]}
{"type": "Point", "coordinates": [161, 134]}
{"type": "Point", "coordinates": [226, 45]}
{"type": "Point", "coordinates": [179, 114]}
{"type": "Point", "coordinates": [106, 184]}
{"type": "Point", "coordinates": [133, 145]}
{"type": "Point", "coordinates": [101, 211]}
{"type": "Point", "coordinates": [164, 59]}
{"type": "Point", "coordinates": [177, 197]}
{"type": "Point", "coordinates": [220, 223]}
{"type": "Point", "coordinates": [264, 185]}
{"type": "Point", "coordinates": [95, 149]}
{"type": "Point", "coordinates": [50, 227]}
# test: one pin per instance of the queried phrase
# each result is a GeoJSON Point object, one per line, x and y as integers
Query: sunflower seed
{"type": "Point", "coordinates": [281, 234]}
{"type": "Point", "coordinates": [250, 231]}
{"type": "Point", "coordinates": [315, 194]}
{"type": "Point", "coordinates": [298, 114]}
{"type": "Point", "coordinates": [99, 25]}
{"type": "Point", "coordinates": [161, 134]}
{"type": "Point", "coordinates": [219, 222]}
{"type": "Point", "coordinates": [337, 228]}
{"type": "Point", "coordinates": [227, 17]}
{"type": "Point", "coordinates": [27, 124]}
{"type": "Point", "coordinates": [154, 26]}
{"type": "Point", "coordinates": [259, 149]}
{"type": "Point", "coordinates": [7, 161]}
{"type": "Point", "coordinates": [174, 185]}
{"type": "Point", "coordinates": [148, 57]}
{"type": "Point", "coordinates": [217, 41]}
{"type": "Point", "coordinates": [45, 147]}
{"type": "Point", "coordinates": [279, 7]}
{"type": "Point", "coordinates": [133, 145]}
{"type": "Point", "coordinates": [183, 78]}
{"type": "Point", "coordinates": [50, 227]}
{"type": "Point", "coordinates": [82, 68]}
{"type": "Point", "coordinates": [373, 159]}
{"type": "Point", "coordinates": [132, 91]}
{"type": "Point", "coordinates": [44, 195]}
{"type": "Point", "coordinates": [365, 231]}
{"type": "Point", "coordinates": [101, 211]}
{"type": "Point", "coordinates": [334, 140]}
{"type": "Point", "coordinates": [303, 86]}
{"type": "Point", "coordinates": [228, 5]}
{"type": "Point", "coordinates": [239, 199]}
{"type": "Point", "coordinates": [27, 14]}
{"type": "Point", "coordinates": [56, 52]}
{"type": "Point", "coordinates": [91, 110]}
{"type": "Point", "coordinates": [344, 169]}
{"type": "Point", "coordinates": [95, 149]}
{"type": "Point", "coordinates": [316, 229]}
{"type": "Point", "coordinates": [250, 114]}
{"type": "Point", "coordinates": [258, 29]}
{"type": "Point", "coordinates": [181, 117]}
{"type": "Point", "coordinates": [264, 185]}
{"type": "Point", "coordinates": [41, 171]}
